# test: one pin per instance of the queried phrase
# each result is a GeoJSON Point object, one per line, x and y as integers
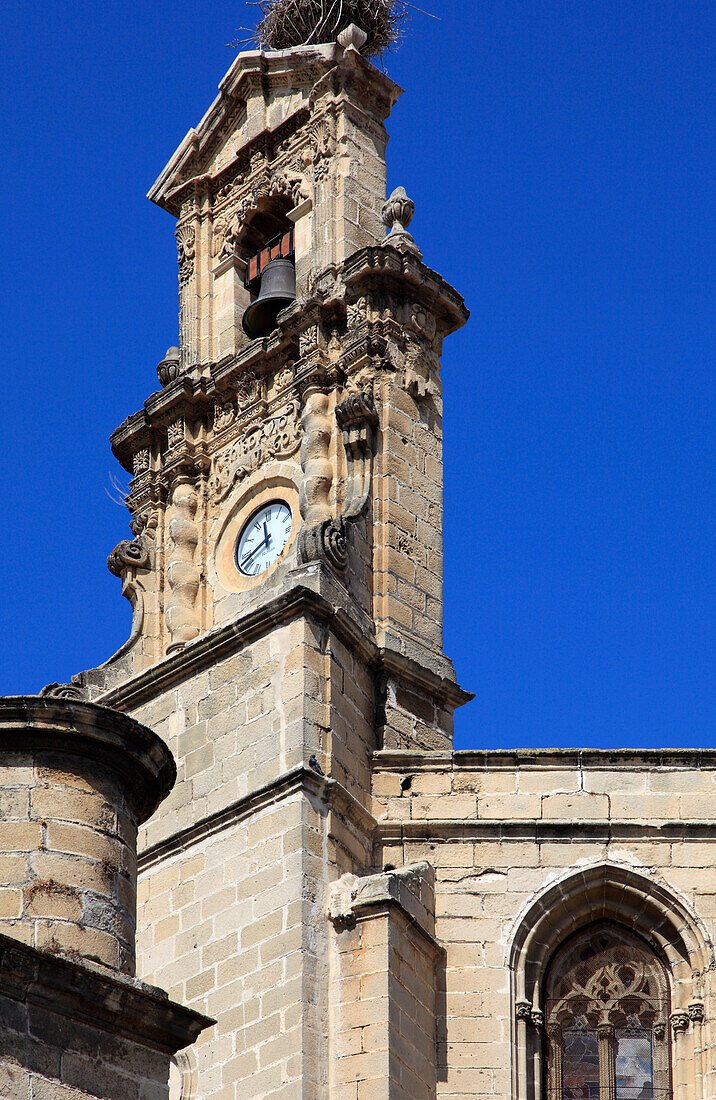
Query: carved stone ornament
{"type": "Point", "coordinates": [321, 148]}
{"type": "Point", "coordinates": [324, 537]}
{"type": "Point", "coordinates": [309, 339]}
{"type": "Point", "coordinates": [276, 437]}
{"type": "Point", "coordinates": [523, 1010]}
{"type": "Point", "coordinates": [357, 416]}
{"type": "Point", "coordinates": [247, 391]}
{"type": "Point", "coordinates": [175, 432]}
{"type": "Point", "coordinates": [326, 542]}
{"type": "Point", "coordinates": [293, 187]}
{"type": "Point", "coordinates": [423, 321]}
{"type": "Point", "coordinates": [679, 1022]}
{"type": "Point", "coordinates": [169, 368]}
{"type": "Point", "coordinates": [183, 575]}
{"type": "Point", "coordinates": [357, 313]}
{"type": "Point", "coordinates": [186, 251]}
{"type": "Point", "coordinates": [134, 552]}
{"type": "Point", "coordinates": [224, 415]}
{"type": "Point", "coordinates": [397, 215]}
{"type": "Point", "coordinates": [63, 691]}
{"type": "Point", "coordinates": [696, 1012]}
{"type": "Point", "coordinates": [140, 461]}
{"type": "Point", "coordinates": [129, 552]}
{"type": "Point", "coordinates": [283, 379]}
{"type": "Point", "coordinates": [352, 38]}
{"type": "Point", "coordinates": [226, 236]}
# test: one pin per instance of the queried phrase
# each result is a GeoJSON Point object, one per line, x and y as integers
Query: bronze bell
{"type": "Point", "coordinates": [278, 290]}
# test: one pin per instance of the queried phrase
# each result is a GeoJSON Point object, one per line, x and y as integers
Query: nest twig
{"type": "Point", "coordinates": [287, 23]}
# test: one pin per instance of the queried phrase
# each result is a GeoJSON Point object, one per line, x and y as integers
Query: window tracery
{"type": "Point", "coordinates": [607, 1019]}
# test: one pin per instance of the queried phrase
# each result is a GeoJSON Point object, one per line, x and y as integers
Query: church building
{"type": "Point", "coordinates": [241, 860]}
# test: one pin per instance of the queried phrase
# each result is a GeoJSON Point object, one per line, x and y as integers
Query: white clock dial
{"type": "Point", "coordinates": [263, 538]}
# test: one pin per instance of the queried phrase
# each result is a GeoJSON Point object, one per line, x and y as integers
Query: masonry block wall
{"type": "Point", "coordinates": [75, 781]}
{"type": "Point", "coordinates": [511, 835]}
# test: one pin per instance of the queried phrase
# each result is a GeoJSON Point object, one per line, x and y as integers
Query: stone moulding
{"type": "Point", "coordinates": [510, 759]}
{"type": "Point", "coordinates": [299, 601]}
{"type": "Point", "coordinates": [300, 778]}
{"type": "Point", "coordinates": [536, 830]}
{"type": "Point", "coordinates": [122, 1006]}
{"type": "Point", "coordinates": [69, 726]}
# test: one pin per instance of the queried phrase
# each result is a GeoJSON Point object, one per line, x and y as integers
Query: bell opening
{"type": "Point", "coordinates": [277, 289]}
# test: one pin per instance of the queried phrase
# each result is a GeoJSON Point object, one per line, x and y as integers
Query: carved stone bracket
{"type": "Point", "coordinates": [325, 537]}
{"type": "Point", "coordinates": [133, 552]}
{"type": "Point", "coordinates": [357, 417]}
{"type": "Point", "coordinates": [679, 1022]}
{"type": "Point", "coordinates": [129, 552]}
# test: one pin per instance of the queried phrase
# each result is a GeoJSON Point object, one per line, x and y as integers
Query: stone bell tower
{"type": "Point", "coordinates": [286, 565]}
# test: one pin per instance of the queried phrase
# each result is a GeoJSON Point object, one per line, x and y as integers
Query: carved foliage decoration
{"type": "Point", "coordinates": [175, 432]}
{"type": "Point", "coordinates": [321, 147]}
{"type": "Point", "coordinates": [140, 461]}
{"type": "Point", "coordinates": [274, 437]}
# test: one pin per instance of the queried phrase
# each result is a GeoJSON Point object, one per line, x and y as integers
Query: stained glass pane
{"type": "Point", "coordinates": [580, 1065]}
{"type": "Point", "coordinates": [635, 1064]}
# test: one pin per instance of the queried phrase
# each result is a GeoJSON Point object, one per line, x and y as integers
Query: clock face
{"type": "Point", "coordinates": [263, 538]}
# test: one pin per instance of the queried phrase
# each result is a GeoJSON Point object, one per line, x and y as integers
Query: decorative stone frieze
{"type": "Point", "coordinates": [270, 438]}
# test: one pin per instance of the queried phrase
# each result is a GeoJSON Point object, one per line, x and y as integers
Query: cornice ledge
{"type": "Point", "coordinates": [116, 1004]}
{"type": "Point", "coordinates": [546, 759]}
{"type": "Point", "coordinates": [227, 639]}
{"type": "Point", "coordinates": [429, 287]}
{"type": "Point", "coordinates": [539, 829]}
{"type": "Point", "coordinates": [73, 727]}
{"type": "Point", "coordinates": [417, 675]}
{"type": "Point", "coordinates": [299, 779]}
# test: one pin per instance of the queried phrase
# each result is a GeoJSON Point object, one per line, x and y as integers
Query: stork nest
{"type": "Point", "coordinates": [288, 23]}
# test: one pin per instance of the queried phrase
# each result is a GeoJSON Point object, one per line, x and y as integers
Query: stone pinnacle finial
{"type": "Point", "coordinates": [168, 369]}
{"type": "Point", "coordinates": [352, 38]}
{"type": "Point", "coordinates": [397, 214]}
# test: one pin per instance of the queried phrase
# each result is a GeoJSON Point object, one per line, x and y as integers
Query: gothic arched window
{"type": "Point", "coordinates": [606, 1015]}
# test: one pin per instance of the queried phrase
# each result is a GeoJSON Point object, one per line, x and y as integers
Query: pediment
{"type": "Point", "coordinates": [260, 94]}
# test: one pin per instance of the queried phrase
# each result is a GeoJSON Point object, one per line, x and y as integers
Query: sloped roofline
{"type": "Point", "coordinates": [247, 63]}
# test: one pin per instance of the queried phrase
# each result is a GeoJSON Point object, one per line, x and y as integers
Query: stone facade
{"type": "Point", "coordinates": [364, 913]}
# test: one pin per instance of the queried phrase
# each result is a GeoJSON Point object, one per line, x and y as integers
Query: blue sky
{"type": "Point", "coordinates": [560, 156]}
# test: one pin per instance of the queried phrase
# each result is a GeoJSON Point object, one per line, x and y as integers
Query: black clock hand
{"type": "Point", "coordinates": [266, 533]}
{"type": "Point", "coordinates": [254, 551]}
